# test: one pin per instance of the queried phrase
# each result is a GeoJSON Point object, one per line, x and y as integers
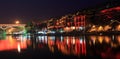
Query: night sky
{"type": "Point", "coordinates": [37, 10]}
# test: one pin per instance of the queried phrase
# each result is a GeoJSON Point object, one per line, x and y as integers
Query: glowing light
{"type": "Point", "coordinates": [12, 44]}
{"type": "Point", "coordinates": [111, 9]}
{"type": "Point", "coordinates": [81, 41]}
{"type": "Point", "coordinates": [118, 28]}
{"type": "Point", "coordinates": [52, 37]}
{"type": "Point", "coordinates": [93, 38]}
{"type": "Point", "coordinates": [17, 22]}
{"type": "Point", "coordinates": [107, 39]}
{"type": "Point", "coordinates": [118, 39]}
{"type": "Point", "coordinates": [100, 28]}
{"type": "Point", "coordinates": [93, 28]}
{"type": "Point", "coordinates": [61, 38]}
{"type": "Point", "coordinates": [113, 37]}
{"type": "Point", "coordinates": [52, 32]}
{"type": "Point", "coordinates": [100, 39]}
{"type": "Point", "coordinates": [107, 27]}
{"type": "Point", "coordinates": [42, 32]}
{"type": "Point", "coordinates": [19, 49]}
{"type": "Point", "coordinates": [67, 41]}
{"type": "Point", "coordinates": [73, 28]}
{"type": "Point", "coordinates": [73, 40]}
{"type": "Point", "coordinates": [81, 28]}
{"type": "Point", "coordinates": [67, 29]}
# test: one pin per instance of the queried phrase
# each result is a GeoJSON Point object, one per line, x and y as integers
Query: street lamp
{"type": "Point", "coordinates": [17, 22]}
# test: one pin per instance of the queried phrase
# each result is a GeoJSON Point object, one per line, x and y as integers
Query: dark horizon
{"type": "Point", "coordinates": [37, 10]}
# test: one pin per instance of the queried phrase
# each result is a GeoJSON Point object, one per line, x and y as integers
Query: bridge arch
{"type": "Point", "coordinates": [1, 30]}
{"type": "Point", "coordinates": [13, 28]}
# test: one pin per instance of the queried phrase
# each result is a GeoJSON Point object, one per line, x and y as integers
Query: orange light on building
{"type": "Point", "coordinates": [107, 27]}
{"type": "Point", "coordinates": [118, 28]}
{"type": "Point", "coordinates": [100, 28]}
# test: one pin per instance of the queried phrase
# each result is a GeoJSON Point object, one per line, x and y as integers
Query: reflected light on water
{"type": "Point", "coordinates": [19, 48]}
{"type": "Point", "coordinates": [93, 38]}
{"type": "Point", "coordinates": [107, 39]}
{"type": "Point", "coordinates": [68, 46]}
{"type": "Point", "coordinates": [118, 38]}
{"type": "Point", "coordinates": [100, 38]}
{"type": "Point", "coordinates": [12, 44]}
{"type": "Point", "coordinates": [104, 46]}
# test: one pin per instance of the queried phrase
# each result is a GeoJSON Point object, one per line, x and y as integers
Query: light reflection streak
{"type": "Point", "coordinates": [19, 48]}
{"type": "Point", "coordinates": [69, 45]}
{"type": "Point", "coordinates": [11, 43]}
{"type": "Point", "coordinates": [113, 41]}
{"type": "Point", "coordinates": [100, 38]}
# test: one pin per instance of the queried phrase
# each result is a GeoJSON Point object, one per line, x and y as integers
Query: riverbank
{"type": "Point", "coordinates": [81, 33]}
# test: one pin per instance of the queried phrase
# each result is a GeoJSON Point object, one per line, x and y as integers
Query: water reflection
{"type": "Point", "coordinates": [13, 43]}
{"type": "Point", "coordinates": [105, 47]}
{"type": "Point", "coordinates": [113, 41]}
{"type": "Point", "coordinates": [68, 45]}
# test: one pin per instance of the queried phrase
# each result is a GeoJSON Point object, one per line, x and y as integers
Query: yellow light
{"type": "Point", "coordinates": [93, 26]}
{"type": "Point", "coordinates": [73, 28]}
{"type": "Point", "coordinates": [17, 22]}
{"type": "Point", "coordinates": [100, 28]}
{"type": "Point", "coordinates": [19, 48]}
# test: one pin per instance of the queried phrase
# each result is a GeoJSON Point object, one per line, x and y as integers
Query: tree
{"type": "Point", "coordinates": [29, 27]}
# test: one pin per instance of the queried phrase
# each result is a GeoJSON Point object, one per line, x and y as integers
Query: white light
{"type": "Point", "coordinates": [73, 28]}
{"type": "Point", "coordinates": [73, 41]}
{"type": "Point", "coordinates": [113, 37]}
{"type": "Point", "coordinates": [81, 41]}
{"type": "Point", "coordinates": [17, 22]}
{"type": "Point", "coordinates": [67, 41]}
{"type": "Point", "coordinates": [61, 31]}
{"type": "Point", "coordinates": [41, 32]}
{"type": "Point", "coordinates": [19, 49]}
{"type": "Point", "coordinates": [46, 39]}
{"type": "Point", "coordinates": [61, 38]}
{"type": "Point", "coordinates": [81, 28]}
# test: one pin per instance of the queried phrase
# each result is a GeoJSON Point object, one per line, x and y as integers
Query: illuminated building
{"type": "Point", "coordinates": [80, 22]}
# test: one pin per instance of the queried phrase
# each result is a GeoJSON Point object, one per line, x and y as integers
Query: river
{"type": "Point", "coordinates": [60, 47]}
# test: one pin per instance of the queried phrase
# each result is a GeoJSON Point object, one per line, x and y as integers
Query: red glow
{"type": "Point", "coordinates": [110, 9]}
{"type": "Point", "coordinates": [67, 46]}
{"type": "Point", "coordinates": [117, 8]}
{"type": "Point", "coordinates": [11, 45]}
{"type": "Point", "coordinates": [79, 20]}
{"type": "Point", "coordinates": [103, 11]}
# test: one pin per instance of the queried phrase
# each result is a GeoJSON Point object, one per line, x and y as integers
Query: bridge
{"type": "Point", "coordinates": [12, 28]}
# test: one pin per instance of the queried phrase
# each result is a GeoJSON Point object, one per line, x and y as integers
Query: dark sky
{"type": "Point", "coordinates": [28, 10]}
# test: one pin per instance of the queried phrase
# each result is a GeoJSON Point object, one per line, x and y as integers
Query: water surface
{"type": "Point", "coordinates": [60, 47]}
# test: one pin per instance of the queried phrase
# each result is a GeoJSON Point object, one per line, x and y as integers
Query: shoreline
{"type": "Point", "coordinates": [80, 33]}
